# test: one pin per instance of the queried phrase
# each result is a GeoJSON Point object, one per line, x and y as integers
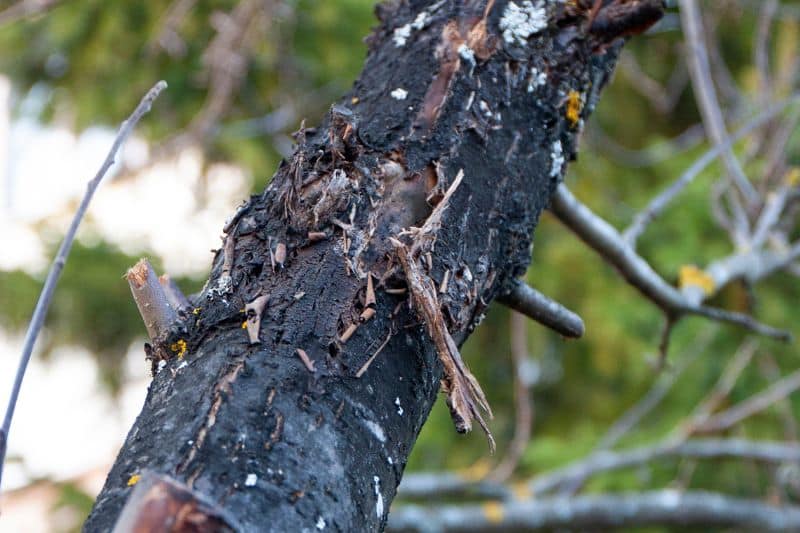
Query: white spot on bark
{"type": "Point", "coordinates": [558, 159]}
{"type": "Point", "coordinates": [485, 109]}
{"type": "Point", "coordinates": [320, 523]}
{"type": "Point", "coordinates": [536, 79]}
{"type": "Point", "coordinates": [468, 55]}
{"type": "Point", "coordinates": [399, 94]}
{"type": "Point", "coordinates": [181, 366]}
{"type": "Point", "coordinates": [520, 22]}
{"type": "Point", "coordinates": [251, 480]}
{"type": "Point", "coordinates": [401, 34]}
{"type": "Point", "coordinates": [161, 365]}
{"type": "Point", "coordinates": [390, 460]}
{"type": "Point", "coordinates": [399, 407]}
{"type": "Point", "coordinates": [379, 502]}
{"type": "Point", "coordinates": [376, 430]}
{"type": "Point", "coordinates": [223, 286]}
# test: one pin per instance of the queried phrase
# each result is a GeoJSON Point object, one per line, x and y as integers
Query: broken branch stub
{"type": "Point", "coordinates": [253, 311]}
{"type": "Point", "coordinates": [151, 299]}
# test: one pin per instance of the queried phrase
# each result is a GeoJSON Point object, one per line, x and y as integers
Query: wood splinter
{"type": "Point", "coordinates": [305, 359]}
{"type": "Point", "coordinates": [465, 399]}
{"type": "Point", "coordinates": [253, 311]}
{"type": "Point", "coordinates": [151, 299]}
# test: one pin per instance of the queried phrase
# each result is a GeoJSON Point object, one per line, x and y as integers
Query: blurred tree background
{"type": "Point", "coordinates": [242, 75]}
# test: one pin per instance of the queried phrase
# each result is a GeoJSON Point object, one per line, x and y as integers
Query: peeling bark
{"type": "Point", "coordinates": [247, 425]}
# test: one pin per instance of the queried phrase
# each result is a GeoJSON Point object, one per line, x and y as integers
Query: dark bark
{"type": "Point", "coordinates": [251, 427]}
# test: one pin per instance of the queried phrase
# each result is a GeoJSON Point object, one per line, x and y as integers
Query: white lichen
{"type": "Point", "coordinates": [399, 407]}
{"type": "Point", "coordinates": [485, 109]}
{"type": "Point", "coordinates": [223, 286]}
{"type": "Point", "coordinates": [376, 430]}
{"type": "Point", "coordinates": [536, 79]}
{"type": "Point", "coordinates": [467, 54]}
{"type": "Point", "coordinates": [161, 365]}
{"type": "Point", "coordinates": [520, 22]}
{"type": "Point", "coordinates": [401, 34]}
{"type": "Point", "coordinates": [399, 94]}
{"type": "Point", "coordinates": [320, 523]}
{"type": "Point", "coordinates": [390, 460]}
{"type": "Point", "coordinates": [379, 502]}
{"type": "Point", "coordinates": [251, 480]}
{"type": "Point", "coordinates": [183, 365]}
{"type": "Point", "coordinates": [558, 159]}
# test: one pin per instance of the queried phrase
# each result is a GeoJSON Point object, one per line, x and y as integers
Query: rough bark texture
{"type": "Point", "coordinates": [250, 426]}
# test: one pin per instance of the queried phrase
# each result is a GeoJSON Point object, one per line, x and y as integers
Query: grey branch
{"type": "Point", "coordinates": [753, 405]}
{"type": "Point", "coordinates": [664, 507]}
{"type": "Point", "coordinates": [607, 241]}
{"type": "Point", "coordinates": [699, 70]}
{"type": "Point", "coordinates": [39, 313]}
{"type": "Point", "coordinates": [604, 461]}
{"type": "Point", "coordinates": [533, 304]}
{"type": "Point", "coordinates": [751, 265]}
{"type": "Point", "coordinates": [660, 202]}
{"type": "Point", "coordinates": [151, 299]}
{"type": "Point", "coordinates": [175, 296]}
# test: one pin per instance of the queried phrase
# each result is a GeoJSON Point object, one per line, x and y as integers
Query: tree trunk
{"type": "Point", "coordinates": [252, 436]}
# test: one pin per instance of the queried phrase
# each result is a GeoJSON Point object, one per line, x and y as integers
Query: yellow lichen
{"type": "Point", "coordinates": [196, 310]}
{"type": "Point", "coordinates": [690, 275]}
{"type": "Point", "coordinates": [522, 491]}
{"type": "Point", "coordinates": [493, 511]}
{"type": "Point", "coordinates": [477, 470]}
{"type": "Point", "coordinates": [244, 324]}
{"type": "Point", "coordinates": [574, 107]}
{"type": "Point", "coordinates": [179, 348]}
{"type": "Point", "coordinates": [134, 479]}
{"type": "Point", "coordinates": [792, 177]}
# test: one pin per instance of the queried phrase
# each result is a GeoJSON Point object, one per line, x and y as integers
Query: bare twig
{"type": "Point", "coordinates": [25, 9]}
{"type": "Point", "coordinates": [604, 461]}
{"type": "Point", "coordinates": [175, 296]}
{"type": "Point", "coordinates": [753, 405]}
{"type": "Point", "coordinates": [660, 202]}
{"type": "Point", "coordinates": [254, 311]}
{"type": "Point", "coordinates": [533, 304]}
{"type": "Point", "coordinates": [523, 415]}
{"type": "Point", "coordinates": [601, 512]}
{"type": "Point", "coordinates": [699, 69]}
{"type": "Point", "coordinates": [306, 360]}
{"type": "Point", "coordinates": [61, 257]}
{"type": "Point", "coordinates": [607, 241]}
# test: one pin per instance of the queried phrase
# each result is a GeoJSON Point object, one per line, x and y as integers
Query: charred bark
{"type": "Point", "coordinates": [281, 427]}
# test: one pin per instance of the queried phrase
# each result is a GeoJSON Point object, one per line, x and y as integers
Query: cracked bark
{"type": "Point", "coordinates": [248, 427]}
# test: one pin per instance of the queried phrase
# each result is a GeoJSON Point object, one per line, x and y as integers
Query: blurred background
{"type": "Point", "coordinates": [242, 75]}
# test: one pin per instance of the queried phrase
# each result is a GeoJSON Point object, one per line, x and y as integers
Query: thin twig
{"type": "Point", "coordinates": [523, 414]}
{"type": "Point", "coordinates": [61, 258]}
{"type": "Point", "coordinates": [605, 240]}
{"type": "Point", "coordinates": [699, 70]}
{"type": "Point", "coordinates": [660, 202]}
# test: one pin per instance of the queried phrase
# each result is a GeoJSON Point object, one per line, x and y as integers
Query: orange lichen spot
{"type": "Point", "coordinates": [691, 275]}
{"type": "Point", "coordinates": [574, 107]}
{"type": "Point", "coordinates": [493, 511]}
{"type": "Point", "coordinates": [179, 348]}
{"type": "Point", "coordinates": [792, 177]}
{"type": "Point", "coordinates": [134, 479]}
{"type": "Point", "coordinates": [244, 324]}
{"type": "Point", "coordinates": [354, 100]}
{"type": "Point", "coordinates": [196, 310]}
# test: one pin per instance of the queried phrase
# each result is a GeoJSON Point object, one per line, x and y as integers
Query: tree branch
{"type": "Point", "coordinates": [39, 313]}
{"type": "Point", "coordinates": [524, 299]}
{"type": "Point", "coordinates": [664, 507]}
